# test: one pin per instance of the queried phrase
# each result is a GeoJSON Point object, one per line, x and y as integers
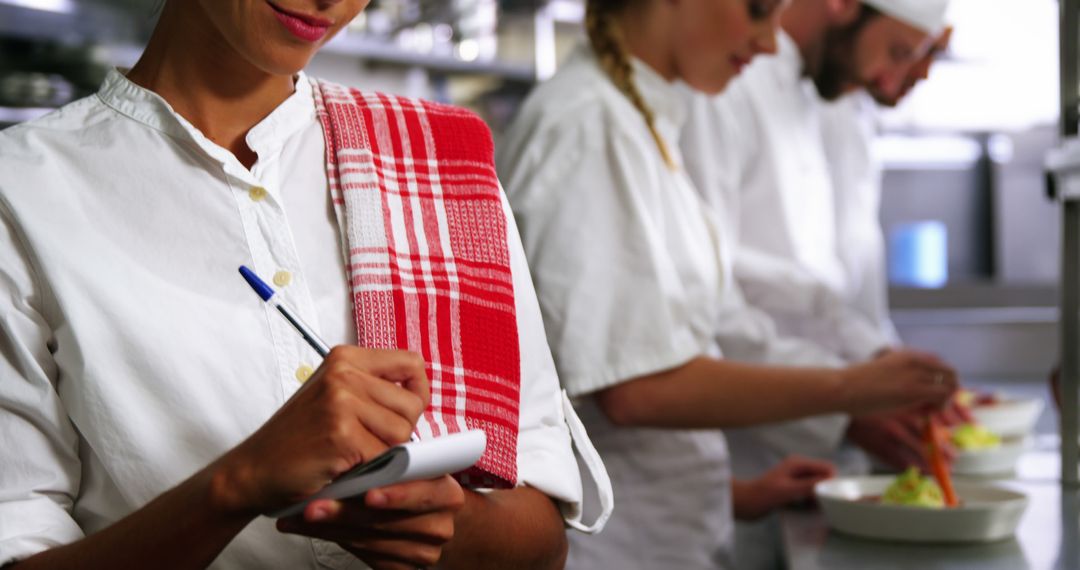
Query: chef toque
{"type": "Point", "coordinates": [927, 15]}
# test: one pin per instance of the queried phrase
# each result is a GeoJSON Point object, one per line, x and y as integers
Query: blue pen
{"type": "Point", "coordinates": [267, 294]}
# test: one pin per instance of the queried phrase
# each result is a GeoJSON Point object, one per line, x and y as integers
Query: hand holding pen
{"type": "Point", "coordinates": [266, 293]}
{"type": "Point", "coordinates": [349, 411]}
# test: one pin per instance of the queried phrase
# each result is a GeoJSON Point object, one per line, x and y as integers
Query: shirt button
{"type": "Point", "coordinates": [304, 372]}
{"type": "Point", "coordinates": [282, 278]}
{"type": "Point", "coordinates": [257, 193]}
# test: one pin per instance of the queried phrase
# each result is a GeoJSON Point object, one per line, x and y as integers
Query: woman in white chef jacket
{"type": "Point", "coordinates": [631, 276]}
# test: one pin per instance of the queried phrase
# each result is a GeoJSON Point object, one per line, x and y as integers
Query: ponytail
{"type": "Point", "coordinates": [606, 40]}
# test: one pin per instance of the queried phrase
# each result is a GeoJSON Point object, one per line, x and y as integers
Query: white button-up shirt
{"type": "Point", "coordinates": [756, 154]}
{"type": "Point", "coordinates": [848, 129]}
{"type": "Point", "coordinates": [132, 354]}
{"type": "Point", "coordinates": [629, 270]}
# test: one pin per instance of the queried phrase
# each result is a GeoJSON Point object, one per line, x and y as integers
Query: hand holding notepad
{"type": "Point", "coordinates": [412, 461]}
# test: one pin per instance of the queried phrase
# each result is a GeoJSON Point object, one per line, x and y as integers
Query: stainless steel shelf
{"type": "Point", "coordinates": [74, 23]}
{"type": "Point", "coordinates": [974, 296]}
{"type": "Point", "coordinates": [12, 115]}
{"type": "Point", "coordinates": [378, 52]}
{"type": "Point", "coordinates": [112, 27]}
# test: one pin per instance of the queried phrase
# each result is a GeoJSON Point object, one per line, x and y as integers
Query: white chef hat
{"type": "Point", "coordinates": [927, 15]}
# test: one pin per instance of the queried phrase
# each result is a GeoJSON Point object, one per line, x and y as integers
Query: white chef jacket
{"type": "Point", "coordinates": [132, 354]}
{"type": "Point", "coordinates": [848, 130]}
{"type": "Point", "coordinates": [627, 266]}
{"type": "Point", "coordinates": [756, 154]}
{"type": "Point", "coordinates": [776, 193]}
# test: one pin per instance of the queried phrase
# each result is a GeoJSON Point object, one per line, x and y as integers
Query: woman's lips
{"type": "Point", "coordinates": [307, 28]}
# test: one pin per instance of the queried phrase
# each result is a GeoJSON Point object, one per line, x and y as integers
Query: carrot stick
{"type": "Point", "coordinates": [934, 436]}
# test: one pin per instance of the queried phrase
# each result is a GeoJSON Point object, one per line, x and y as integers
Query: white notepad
{"type": "Point", "coordinates": [407, 462]}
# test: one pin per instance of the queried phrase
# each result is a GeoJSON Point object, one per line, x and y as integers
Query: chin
{"type": "Point", "coordinates": [830, 91]}
{"type": "Point", "coordinates": [714, 85]}
{"type": "Point", "coordinates": [286, 61]}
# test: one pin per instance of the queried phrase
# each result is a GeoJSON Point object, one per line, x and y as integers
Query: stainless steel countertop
{"type": "Point", "coordinates": [1038, 545]}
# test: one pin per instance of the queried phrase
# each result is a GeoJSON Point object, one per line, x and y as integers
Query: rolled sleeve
{"type": "Point", "coordinates": [549, 431]}
{"type": "Point", "coordinates": [40, 474]}
{"type": "Point", "coordinates": [32, 526]}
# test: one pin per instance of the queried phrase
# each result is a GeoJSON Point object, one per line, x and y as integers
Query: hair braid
{"type": "Point", "coordinates": [606, 40]}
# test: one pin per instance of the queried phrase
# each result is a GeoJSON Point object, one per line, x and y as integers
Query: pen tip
{"type": "Point", "coordinates": [257, 284]}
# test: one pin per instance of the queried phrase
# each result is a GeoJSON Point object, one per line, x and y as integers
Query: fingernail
{"type": "Point", "coordinates": [319, 514]}
{"type": "Point", "coordinates": [376, 498]}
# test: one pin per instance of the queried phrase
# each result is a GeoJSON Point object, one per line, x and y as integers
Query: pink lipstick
{"type": "Point", "coordinates": [307, 28]}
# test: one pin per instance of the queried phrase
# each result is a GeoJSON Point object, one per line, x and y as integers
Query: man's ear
{"type": "Point", "coordinates": [843, 12]}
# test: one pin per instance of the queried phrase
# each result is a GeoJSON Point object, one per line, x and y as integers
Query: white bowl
{"type": "Point", "coordinates": [986, 513]}
{"type": "Point", "coordinates": [999, 460]}
{"type": "Point", "coordinates": [1010, 417]}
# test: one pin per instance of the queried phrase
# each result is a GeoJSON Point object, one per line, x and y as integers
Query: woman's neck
{"type": "Point", "coordinates": [645, 30]}
{"type": "Point", "coordinates": [192, 66]}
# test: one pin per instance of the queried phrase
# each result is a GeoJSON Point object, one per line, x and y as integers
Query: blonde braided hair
{"type": "Point", "coordinates": [607, 42]}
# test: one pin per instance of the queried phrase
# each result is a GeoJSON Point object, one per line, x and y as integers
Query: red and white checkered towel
{"type": "Point", "coordinates": [416, 193]}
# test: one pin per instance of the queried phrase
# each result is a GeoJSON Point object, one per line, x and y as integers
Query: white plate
{"type": "Point", "coordinates": [999, 460]}
{"type": "Point", "coordinates": [986, 512]}
{"type": "Point", "coordinates": [1010, 417]}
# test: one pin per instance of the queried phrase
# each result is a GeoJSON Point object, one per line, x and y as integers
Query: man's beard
{"type": "Point", "coordinates": [835, 74]}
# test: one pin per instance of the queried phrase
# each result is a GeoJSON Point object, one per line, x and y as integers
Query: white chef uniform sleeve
{"type": "Point", "coordinates": [39, 477]}
{"type": "Point", "coordinates": [780, 288]}
{"type": "Point", "coordinates": [549, 430]}
{"type": "Point", "coordinates": [612, 310]}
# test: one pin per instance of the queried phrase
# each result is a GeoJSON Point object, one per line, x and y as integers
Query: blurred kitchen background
{"type": "Point", "coordinates": [963, 155]}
